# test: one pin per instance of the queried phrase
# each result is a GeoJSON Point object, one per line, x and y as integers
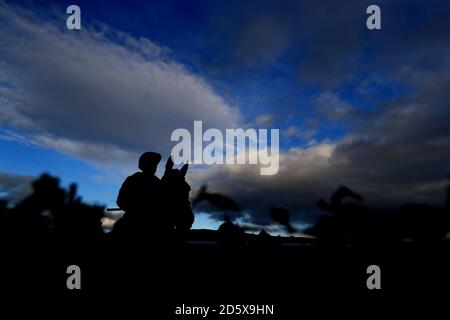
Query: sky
{"type": "Point", "coordinates": [368, 109]}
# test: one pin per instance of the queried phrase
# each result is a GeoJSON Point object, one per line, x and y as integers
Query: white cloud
{"type": "Point", "coordinates": [97, 91]}
{"type": "Point", "coordinates": [263, 120]}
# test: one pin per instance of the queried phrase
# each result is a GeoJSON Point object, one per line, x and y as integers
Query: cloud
{"type": "Point", "coordinates": [98, 94]}
{"type": "Point", "coordinates": [14, 187]}
{"type": "Point", "coordinates": [327, 43]}
{"type": "Point", "coordinates": [294, 186]}
{"type": "Point", "coordinates": [332, 107]}
{"type": "Point", "coordinates": [339, 49]}
{"type": "Point", "coordinates": [318, 41]}
{"type": "Point", "coordinates": [394, 155]}
{"type": "Point", "coordinates": [261, 39]}
{"type": "Point", "coordinates": [264, 120]}
{"type": "Point", "coordinates": [296, 132]}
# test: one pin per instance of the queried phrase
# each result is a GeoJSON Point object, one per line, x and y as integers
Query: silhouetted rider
{"type": "Point", "coordinates": [140, 190]}
{"type": "Point", "coordinates": [140, 198]}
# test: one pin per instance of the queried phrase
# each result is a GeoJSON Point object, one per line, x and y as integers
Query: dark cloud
{"type": "Point", "coordinates": [315, 38]}
{"type": "Point", "coordinates": [396, 154]}
{"type": "Point", "coordinates": [327, 41]}
{"type": "Point", "coordinates": [14, 187]}
{"type": "Point", "coordinates": [262, 39]}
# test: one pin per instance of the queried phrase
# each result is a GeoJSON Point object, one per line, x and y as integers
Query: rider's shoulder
{"type": "Point", "coordinates": [137, 174]}
{"type": "Point", "coordinates": [134, 177]}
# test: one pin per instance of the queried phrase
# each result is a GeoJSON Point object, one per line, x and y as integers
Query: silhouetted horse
{"type": "Point", "coordinates": [175, 195]}
{"type": "Point", "coordinates": [154, 208]}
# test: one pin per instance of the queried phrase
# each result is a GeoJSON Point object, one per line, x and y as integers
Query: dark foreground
{"type": "Point", "coordinates": [294, 278]}
{"type": "Point", "coordinates": [149, 281]}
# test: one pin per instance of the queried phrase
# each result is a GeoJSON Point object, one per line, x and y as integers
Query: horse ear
{"type": "Point", "coordinates": [184, 169]}
{"type": "Point", "coordinates": [169, 164]}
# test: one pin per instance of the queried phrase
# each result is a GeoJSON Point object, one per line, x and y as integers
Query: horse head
{"type": "Point", "coordinates": [176, 194]}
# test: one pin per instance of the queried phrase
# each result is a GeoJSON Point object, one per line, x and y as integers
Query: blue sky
{"type": "Point", "coordinates": [353, 106]}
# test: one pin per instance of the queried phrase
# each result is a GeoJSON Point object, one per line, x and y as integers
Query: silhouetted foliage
{"type": "Point", "coordinates": [361, 224]}
{"type": "Point", "coordinates": [51, 212]}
